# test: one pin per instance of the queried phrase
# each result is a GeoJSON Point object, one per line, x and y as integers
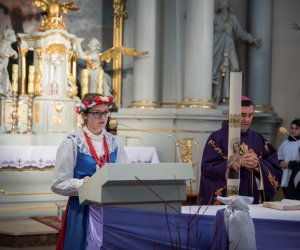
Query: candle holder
{"type": "Point", "coordinates": [14, 114]}
{"type": "Point", "coordinates": [30, 113]}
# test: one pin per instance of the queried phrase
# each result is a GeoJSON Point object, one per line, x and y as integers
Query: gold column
{"type": "Point", "coordinates": [23, 52]}
{"type": "Point", "coordinates": [120, 13]}
{"type": "Point", "coordinates": [38, 73]}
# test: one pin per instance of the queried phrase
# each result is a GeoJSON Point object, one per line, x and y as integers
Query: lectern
{"type": "Point", "coordinates": [141, 185]}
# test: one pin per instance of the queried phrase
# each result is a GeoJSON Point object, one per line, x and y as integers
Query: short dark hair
{"type": "Point", "coordinates": [296, 122]}
{"type": "Point", "coordinates": [246, 103]}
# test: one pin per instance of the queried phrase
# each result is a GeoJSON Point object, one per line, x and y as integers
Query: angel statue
{"type": "Point", "coordinates": [6, 51]}
{"type": "Point", "coordinates": [99, 81]}
{"type": "Point", "coordinates": [53, 20]}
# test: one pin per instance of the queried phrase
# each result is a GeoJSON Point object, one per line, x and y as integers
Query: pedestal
{"type": "Point", "coordinates": [55, 114]}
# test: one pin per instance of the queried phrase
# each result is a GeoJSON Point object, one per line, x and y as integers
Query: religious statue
{"type": "Point", "coordinates": [99, 81]}
{"type": "Point", "coordinates": [225, 59]}
{"type": "Point", "coordinates": [53, 20]}
{"type": "Point", "coordinates": [6, 51]}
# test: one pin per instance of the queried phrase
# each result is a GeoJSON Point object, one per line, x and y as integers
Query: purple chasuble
{"type": "Point", "coordinates": [214, 166]}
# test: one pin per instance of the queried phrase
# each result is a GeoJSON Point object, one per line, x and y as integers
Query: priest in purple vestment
{"type": "Point", "coordinates": [259, 162]}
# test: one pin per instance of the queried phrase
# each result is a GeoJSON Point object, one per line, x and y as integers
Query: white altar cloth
{"type": "Point", "coordinates": [256, 211]}
{"type": "Point", "coordinates": [44, 156]}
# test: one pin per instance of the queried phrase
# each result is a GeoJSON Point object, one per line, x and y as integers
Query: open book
{"type": "Point", "coordinates": [284, 204]}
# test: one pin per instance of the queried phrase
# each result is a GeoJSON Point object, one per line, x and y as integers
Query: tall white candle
{"type": "Point", "coordinates": [84, 82]}
{"type": "Point", "coordinates": [100, 82]}
{"type": "Point", "coordinates": [234, 126]}
{"type": "Point", "coordinates": [74, 68]}
{"type": "Point", "coordinates": [15, 76]}
{"type": "Point", "coordinates": [31, 79]}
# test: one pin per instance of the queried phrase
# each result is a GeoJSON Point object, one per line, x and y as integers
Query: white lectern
{"type": "Point", "coordinates": [146, 186]}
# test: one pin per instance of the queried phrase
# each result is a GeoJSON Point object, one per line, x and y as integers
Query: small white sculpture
{"type": "Point", "coordinates": [6, 51]}
{"type": "Point", "coordinates": [99, 81]}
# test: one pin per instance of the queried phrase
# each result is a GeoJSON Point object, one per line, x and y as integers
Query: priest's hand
{"type": "Point", "coordinates": [250, 160]}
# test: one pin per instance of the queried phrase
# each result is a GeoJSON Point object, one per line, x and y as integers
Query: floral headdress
{"type": "Point", "coordinates": [91, 101]}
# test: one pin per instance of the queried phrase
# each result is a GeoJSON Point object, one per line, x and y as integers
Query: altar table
{"type": "Point", "coordinates": [192, 229]}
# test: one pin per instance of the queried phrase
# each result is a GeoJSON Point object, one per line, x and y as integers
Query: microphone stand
{"type": "Point", "coordinates": [156, 133]}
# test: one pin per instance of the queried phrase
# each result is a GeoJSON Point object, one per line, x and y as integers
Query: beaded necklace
{"type": "Point", "coordinates": [99, 160]}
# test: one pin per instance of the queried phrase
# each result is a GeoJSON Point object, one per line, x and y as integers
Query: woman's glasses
{"type": "Point", "coordinates": [98, 115]}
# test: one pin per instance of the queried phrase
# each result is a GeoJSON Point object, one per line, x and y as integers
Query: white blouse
{"type": "Point", "coordinates": [66, 156]}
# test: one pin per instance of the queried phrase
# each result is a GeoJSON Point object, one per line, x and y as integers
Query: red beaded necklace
{"type": "Point", "coordinates": [99, 160]}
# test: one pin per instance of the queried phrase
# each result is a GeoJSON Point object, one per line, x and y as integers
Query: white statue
{"type": "Point", "coordinates": [6, 51]}
{"type": "Point", "coordinates": [99, 81]}
{"type": "Point", "coordinates": [225, 59]}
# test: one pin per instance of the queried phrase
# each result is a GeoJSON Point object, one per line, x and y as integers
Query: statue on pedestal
{"type": "Point", "coordinates": [226, 29]}
{"type": "Point", "coordinates": [99, 81]}
{"type": "Point", "coordinates": [6, 51]}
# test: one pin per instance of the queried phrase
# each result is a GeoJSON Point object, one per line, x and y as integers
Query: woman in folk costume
{"type": "Point", "coordinates": [79, 156]}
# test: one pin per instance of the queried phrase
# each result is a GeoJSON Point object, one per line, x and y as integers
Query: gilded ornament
{"type": "Point", "coordinates": [234, 120]}
{"type": "Point", "coordinates": [36, 112]}
{"type": "Point", "coordinates": [38, 89]}
{"type": "Point", "coordinates": [119, 9]}
{"type": "Point", "coordinates": [56, 48]}
{"type": "Point", "coordinates": [114, 52]}
{"type": "Point", "coordinates": [53, 19]}
{"type": "Point", "coordinates": [58, 108]}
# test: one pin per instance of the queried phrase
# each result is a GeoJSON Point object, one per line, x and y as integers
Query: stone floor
{"type": "Point", "coordinates": [25, 234]}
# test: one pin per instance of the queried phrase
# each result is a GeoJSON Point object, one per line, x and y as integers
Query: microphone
{"type": "Point", "coordinates": [113, 124]}
{"type": "Point", "coordinates": [283, 131]}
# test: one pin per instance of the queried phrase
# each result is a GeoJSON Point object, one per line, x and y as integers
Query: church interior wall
{"type": "Point", "coordinates": [285, 87]}
{"type": "Point", "coordinates": [285, 62]}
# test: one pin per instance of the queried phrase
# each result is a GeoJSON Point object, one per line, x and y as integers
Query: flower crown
{"type": "Point", "coordinates": [90, 102]}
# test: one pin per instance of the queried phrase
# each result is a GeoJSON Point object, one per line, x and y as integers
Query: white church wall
{"type": "Point", "coordinates": [285, 62]}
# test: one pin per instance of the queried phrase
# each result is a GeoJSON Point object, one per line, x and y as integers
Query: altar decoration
{"type": "Point", "coordinates": [189, 150]}
{"type": "Point", "coordinates": [48, 105]}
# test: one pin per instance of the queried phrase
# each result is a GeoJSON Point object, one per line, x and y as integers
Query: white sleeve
{"type": "Point", "coordinates": [63, 182]}
{"type": "Point", "coordinates": [280, 151]}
